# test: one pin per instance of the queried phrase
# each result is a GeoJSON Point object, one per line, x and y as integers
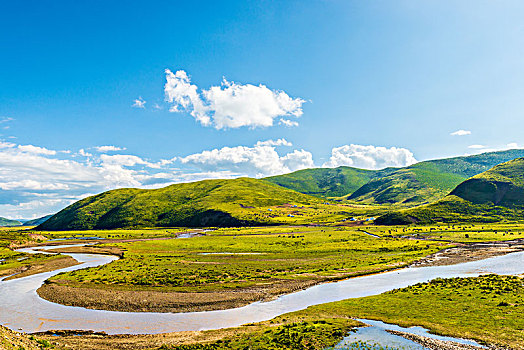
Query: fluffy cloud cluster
{"type": "Point", "coordinates": [230, 105]}
{"type": "Point", "coordinates": [260, 160]}
{"type": "Point", "coordinates": [35, 181]}
{"type": "Point", "coordinates": [370, 157]}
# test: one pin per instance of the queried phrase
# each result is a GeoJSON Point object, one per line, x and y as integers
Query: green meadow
{"type": "Point", "coordinates": [228, 259]}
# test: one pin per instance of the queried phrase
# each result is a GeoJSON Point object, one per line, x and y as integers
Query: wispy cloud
{"type": "Point", "coordinates": [461, 133]}
{"type": "Point", "coordinates": [287, 122]}
{"type": "Point", "coordinates": [230, 105]}
{"type": "Point", "coordinates": [109, 148]}
{"type": "Point", "coordinates": [139, 103]}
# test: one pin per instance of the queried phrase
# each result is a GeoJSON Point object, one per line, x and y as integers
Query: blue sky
{"type": "Point", "coordinates": [369, 83]}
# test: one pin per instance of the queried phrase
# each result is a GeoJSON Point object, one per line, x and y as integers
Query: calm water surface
{"type": "Point", "coordinates": [22, 309]}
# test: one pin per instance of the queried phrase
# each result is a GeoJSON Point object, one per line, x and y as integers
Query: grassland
{"type": "Point", "coordinates": [463, 233]}
{"type": "Point", "coordinates": [231, 267]}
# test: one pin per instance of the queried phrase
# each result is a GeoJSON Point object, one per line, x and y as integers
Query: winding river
{"type": "Point", "coordinates": [22, 309]}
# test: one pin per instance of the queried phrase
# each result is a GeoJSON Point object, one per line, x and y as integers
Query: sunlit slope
{"type": "Point", "coordinates": [203, 203]}
{"type": "Point", "coordinates": [430, 180]}
{"type": "Point", "coordinates": [493, 195]}
{"type": "Point", "coordinates": [503, 185]}
{"type": "Point", "coordinates": [327, 182]}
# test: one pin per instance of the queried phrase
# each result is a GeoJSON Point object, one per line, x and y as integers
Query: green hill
{"type": "Point", "coordinates": [503, 185]}
{"type": "Point", "coordinates": [327, 182]}
{"type": "Point", "coordinates": [430, 180]}
{"type": "Point", "coordinates": [9, 222]}
{"type": "Point", "coordinates": [419, 183]}
{"type": "Point", "coordinates": [203, 203]}
{"type": "Point", "coordinates": [491, 196]}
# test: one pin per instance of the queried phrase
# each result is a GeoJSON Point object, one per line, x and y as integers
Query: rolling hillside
{"type": "Point", "coordinates": [487, 197]}
{"type": "Point", "coordinates": [327, 182]}
{"type": "Point", "coordinates": [419, 183]}
{"type": "Point", "coordinates": [430, 180]}
{"type": "Point", "coordinates": [203, 203]}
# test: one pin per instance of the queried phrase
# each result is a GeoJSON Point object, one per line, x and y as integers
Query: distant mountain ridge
{"type": "Point", "coordinates": [416, 184]}
{"type": "Point", "coordinates": [9, 223]}
{"type": "Point", "coordinates": [37, 221]}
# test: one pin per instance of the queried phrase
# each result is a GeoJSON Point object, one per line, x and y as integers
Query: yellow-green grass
{"type": "Point", "coordinates": [307, 335]}
{"type": "Point", "coordinates": [145, 233]}
{"type": "Point", "coordinates": [239, 258]}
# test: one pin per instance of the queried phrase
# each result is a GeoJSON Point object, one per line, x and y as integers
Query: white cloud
{"type": "Point", "coordinates": [230, 105]}
{"type": "Point", "coordinates": [287, 122]}
{"type": "Point", "coordinates": [139, 103]}
{"type": "Point", "coordinates": [260, 160]}
{"type": "Point", "coordinates": [298, 159]}
{"type": "Point", "coordinates": [279, 142]}
{"type": "Point", "coordinates": [461, 133]}
{"type": "Point", "coordinates": [477, 149]}
{"type": "Point", "coordinates": [370, 157]}
{"type": "Point", "coordinates": [84, 153]}
{"type": "Point", "coordinates": [35, 150]}
{"type": "Point", "coordinates": [109, 148]}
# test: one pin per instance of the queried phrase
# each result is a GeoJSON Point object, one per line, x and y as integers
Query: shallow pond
{"type": "Point", "coordinates": [376, 334]}
{"type": "Point", "coordinates": [22, 309]}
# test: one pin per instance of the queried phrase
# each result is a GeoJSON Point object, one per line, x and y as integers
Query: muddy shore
{"type": "Point", "coordinates": [33, 269]}
{"type": "Point", "coordinates": [435, 344]}
{"type": "Point", "coordinates": [470, 252]}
